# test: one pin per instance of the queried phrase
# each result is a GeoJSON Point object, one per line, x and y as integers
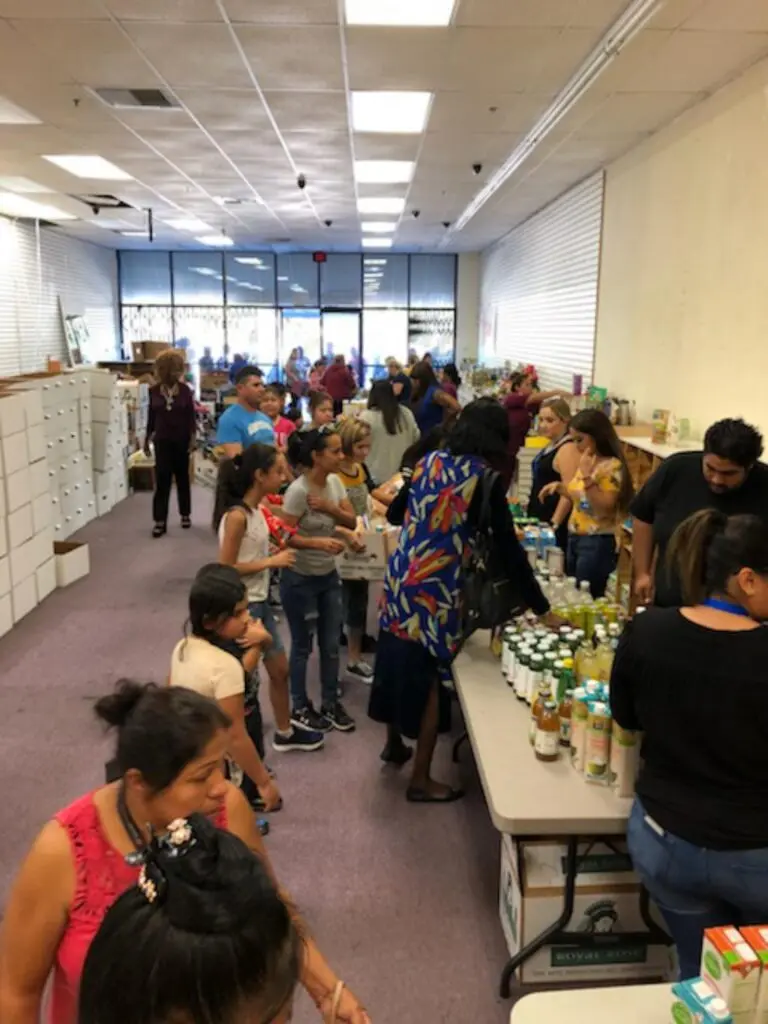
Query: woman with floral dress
{"type": "Point", "coordinates": [420, 611]}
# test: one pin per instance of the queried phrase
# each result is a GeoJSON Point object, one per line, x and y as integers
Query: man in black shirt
{"type": "Point", "coordinates": [726, 475]}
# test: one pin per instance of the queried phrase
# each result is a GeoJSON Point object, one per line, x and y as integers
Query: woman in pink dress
{"type": "Point", "coordinates": [171, 745]}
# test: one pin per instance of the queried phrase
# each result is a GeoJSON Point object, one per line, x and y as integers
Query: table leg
{"type": "Point", "coordinates": [458, 745]}
{"type": "Point", "coordinates": [559, 925]}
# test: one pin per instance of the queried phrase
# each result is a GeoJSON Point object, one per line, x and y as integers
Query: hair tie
{"type": "Point", "coordinates": [178, 840]}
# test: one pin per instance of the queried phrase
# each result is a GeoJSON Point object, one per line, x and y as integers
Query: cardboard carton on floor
{"type": "Point", "coordinates": [72, 562]}
{"type": "Point", "coordinates": [606, 904]}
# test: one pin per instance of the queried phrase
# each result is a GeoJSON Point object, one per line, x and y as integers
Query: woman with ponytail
{"type": "Point", "coordinates": [171, 745]}
{"type": "Point", "coordinates": [244, 543]}
{"type": "Point", "coordinates": [694, 681]}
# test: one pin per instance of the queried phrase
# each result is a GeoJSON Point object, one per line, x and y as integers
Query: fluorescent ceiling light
{"type": "Point", "coordinates": [11, 114]}
{"type": "Point", "coordinates": [95, 167]}
{"type": "Point", "coordinates": [20, 206]}
{"type": "Point", "coordinates": [187, 224]}
{"type": "Point", "coordinates": [403, 113]}
{"type": "Point", "coordinates": [380, 204]}
{"type": "Point", "coordinates": [377, 243]}
{"type": "Point", "coordinates": [384, 172]}
{"type": "Point", "coordinates": [133, 234]}
{"type": "Point", "coordinates": [22, 185]}
{"type": "Point", "coordinates": [378, 227]}
{"type": "Point", "coordinates": [217, 241]}
{"type": "Point", "coordinates": [399, 12]}
{"type": "Point", "coordinates": [251, 261]}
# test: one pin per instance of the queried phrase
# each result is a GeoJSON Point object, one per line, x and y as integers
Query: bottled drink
{"type": "Point", "coordinates": [567, 680]}
{"type": "Point", "coordinates": [603, 660]}
{"type": "Point", "coordinates": [536, 674]}
{"type": "Point", "coordinates": [565, 711]}
{"type": "Point", "coordinates": [544, 695]}
{"type": "Point", "coordinates": [547, 741]}
{"type": "Point", "coordinates": [522, 674]}
{"type": "Point", "coordinates": [579, 715]}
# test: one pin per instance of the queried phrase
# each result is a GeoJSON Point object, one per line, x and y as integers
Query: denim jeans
{"type": "Point", "coordinates": [312, 605]}
{"type": "Point", "coordinates": [591, 557]}
{"type": "Point", "coordinates": [696, 888]}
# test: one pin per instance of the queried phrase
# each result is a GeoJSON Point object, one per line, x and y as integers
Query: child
{"type": "Point", "coordinates": [320, 410]}
{"type": "Point", "coordinates": [218, 617]}
{"type": "Point", "coordinates": [270, 405]}
{"type": "Point", "coordinates": [244, 544]}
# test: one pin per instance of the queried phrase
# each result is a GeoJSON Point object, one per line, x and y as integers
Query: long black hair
{"type": "Point", "coordinates": [302, 445]}
{"type": "Point", "coordinates": [595, 424]}
{"type": "Point", "coordinates": [482, 429]}
{"type": "Point", "coordinates": [236, 477]}
{"type": "Point", "coordinates": [452, 373]}
{"type": "Point", "coordinates": [383, 398]}
{"type": "Point", "coordinates": [160, 729]}
{"type": "Point", "coordinates": [216, 592]}
{"type": "Point", "coordinates": [423, 375]}
{"type": "Point", "coordinates": [203, 936]}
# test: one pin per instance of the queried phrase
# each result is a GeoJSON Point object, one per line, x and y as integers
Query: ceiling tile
{"type": "Point", "coordinates": [283, 12]}
{"type": "Point", "coordinates": [51, 9]}
{"type": "Point", "coordinates": [294, 58]}
{"type": "Point", "coordinates": [175, 50]}
{"type": "Point", "coordinates": [226, 109]}
{"type": "Point", "coordinates": [628, 113]}
{"type": "Point", "coordinates": [731, 16]}
{"type": "Point", "coordinates": [471, 111]}
{"type": "Point", "coordinates": [308, 111]}
{"type": "Point", "coordinates": [164, 10]}
{"type": "Point", "coordinates": [540, 13]}
{"type": "Point", "coordinates": [386, 147]}
{"type": "Point", "coordinates": [465, 149]}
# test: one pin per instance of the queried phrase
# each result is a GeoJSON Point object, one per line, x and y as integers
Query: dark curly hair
{"type": "Point", "coordinates": [734, 440]}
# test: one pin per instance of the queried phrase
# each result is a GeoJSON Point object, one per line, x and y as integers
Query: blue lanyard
{"type": "Point", "coordinates": [726, 606]}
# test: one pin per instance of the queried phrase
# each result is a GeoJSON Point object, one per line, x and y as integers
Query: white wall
{"type": "Point", "coordinates": [683, 299]}
{"type": "Point", "coordinates": [467, 307]}
{"type": "Point", "coordinates": [42, 271]}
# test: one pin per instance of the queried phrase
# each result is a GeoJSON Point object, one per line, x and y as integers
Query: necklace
{"type": "Point", "coordinates": [726, 606]}
{"type": "Point", "coordinates": [169, 394]}
{"type": "Point", "coordinates": [138, 855]}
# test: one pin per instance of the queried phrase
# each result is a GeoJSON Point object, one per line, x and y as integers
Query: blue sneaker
{"type": "Point", "coordinates": [299, 738]}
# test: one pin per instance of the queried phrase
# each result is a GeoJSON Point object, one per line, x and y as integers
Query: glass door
{"type": "Point", "coordinates": [341, 337]}
{"type": "Point", "coordinates": [300, 336]}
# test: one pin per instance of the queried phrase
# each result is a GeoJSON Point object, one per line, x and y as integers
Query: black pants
{"type": "Point", "coordinates": [171, 460]}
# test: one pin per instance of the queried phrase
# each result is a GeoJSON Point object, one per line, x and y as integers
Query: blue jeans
{"type": "Point", "coordinates": [591, 557]}
{"type": "Point", "coordinates": [695, 888]}
{"type": "Point", "coordinates": [312, 605]}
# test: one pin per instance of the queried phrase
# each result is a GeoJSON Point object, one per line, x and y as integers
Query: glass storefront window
{"type": "Point", "coordinates": [297, 278]}
{"type": "Point", "coordinates": [198, 279]}
{"type": "Point", "coordinates": [340, 280]}
{"type": "Point", "coordinates": [385, 335]}
{"type": "Point", "coordinates": [433, 331]}
{"type": "Point", "coordinates": [433, 281]}
{"type": "Point", "coordinates": [199, 331]}
{"type": "Point", "coordinates": [252, 333]}
{"type": "Point", "coordinates": [250, 279]}
{"type": "Point", "coordinates": [146, 323]}
{"type": "Point", "coordinates": [145, 278]}
{"type": "Point", "coordinates": [385, 281]}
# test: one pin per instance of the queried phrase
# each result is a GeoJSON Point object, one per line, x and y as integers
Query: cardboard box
{"type": "Point", "coordinates": [72, 562]}
{"type": "Point", "coordinates": [42, 547]}
{"type": "Point", "coordinates": [146, 351]}
{"type": "Point", "coordinates": [24, 598]}
{"type": "Point", "coordinates": [42, 513]}
{"type": "Point", "coordinates": [36, 442]}
{"type": "Point", "coordinates": [18, 489]}
{"type": "Point", "coordinates": [22, 561]}
{"type": "Point", "coordinates": [370, 564]}
{"type": "Point", "coordinates": [39, 479]}
{"type": "Point", "coordinates": [15, 453]}
{"type": "Point", "coordinates": [3, 533]}
{"type": "Point", "coordinates": [12, 418]}
{"type": "Point", "coordinates": [20, 526]}
{"type": "Point", "coordinates": [732, 968]}
{"type": "Point", "coordinates": [45, 579]}
{"type": "Point", "coordinates": [5, 576]}
{"type": "Point", "coordinates": [6, 614]}
{"type": "Point", "coordinates": [606, 903]}
{"type": "Point", "coordinates": [758, 940]}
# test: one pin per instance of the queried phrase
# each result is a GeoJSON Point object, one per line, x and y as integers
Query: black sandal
{"type": "Point", "coordinates": [421, 796]}
{"type": "Point", "coordinates": [159, 529]}
{"type": "Point", "coordinates": [186, 522]}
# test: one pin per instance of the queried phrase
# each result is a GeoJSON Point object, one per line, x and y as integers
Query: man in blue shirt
{"type": "Point", "coordinates": [242, 424]}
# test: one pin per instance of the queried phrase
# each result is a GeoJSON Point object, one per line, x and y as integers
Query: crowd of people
{"type": "Point", "coordinates": [160, 878]}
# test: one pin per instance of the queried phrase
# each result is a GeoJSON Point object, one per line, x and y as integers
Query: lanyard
{"type": "Point", "coordinates": [726, 606]}
{"type": "Point", "coordinates": [137, 856]}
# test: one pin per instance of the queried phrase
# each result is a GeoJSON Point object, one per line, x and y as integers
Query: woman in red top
{"type": "Point", "coordinates": [340, 383]}
{"type": "Point", "coordinates": [171, 744]}
{"type": "Point", "coordinates": [521, 404]}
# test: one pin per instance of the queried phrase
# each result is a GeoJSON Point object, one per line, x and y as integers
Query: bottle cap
{"type": "Point", "coordinates": [550, 705]}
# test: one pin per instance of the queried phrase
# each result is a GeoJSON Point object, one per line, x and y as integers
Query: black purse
{"type": "Point", "coordinates": [490, 597]}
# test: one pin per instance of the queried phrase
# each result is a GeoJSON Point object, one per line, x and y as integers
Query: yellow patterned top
{"type": "Point", "coordinates": [584, 520]}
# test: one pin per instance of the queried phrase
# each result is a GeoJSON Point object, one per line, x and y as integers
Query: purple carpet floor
{"type": "Point", "coordinates": [401, 898]}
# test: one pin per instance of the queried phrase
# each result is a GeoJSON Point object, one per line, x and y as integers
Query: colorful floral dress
{"type": "Point", "coordinates": [422, 590]}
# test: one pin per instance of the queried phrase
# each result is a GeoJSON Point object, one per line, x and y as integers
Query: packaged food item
{"type": "Point", "coordinates": [547, 743]}
{"type": "Point", "coordinates": [696, 1002]}
{"type": "Point", "coordinates": [625, 758]}
{"type": "Point", "coordinates": [597, 745]}
{"type": "Point", "coordinates": [757, 938]}
{"type": "Point", "coordinates": [732, 968]}
{"type": "Point", "coordinates": [565, 711]}
{"type": "Point", "coordinates": [579, 716]}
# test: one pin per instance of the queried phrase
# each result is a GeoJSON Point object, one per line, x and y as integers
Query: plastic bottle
{"type": "Point", "coordinates": [603, 659]}
{"type": "Point", "coordinates": [544, 695]}
{"type": "Point", "coordinates": [547, 742]}
{"type": "Point", "coordinates": [564, 711]}
{"type": "Point", "coordinates": [584, 661]}
{"type": "Point", "coordinates": [567, 679]}
{"type": "Point", "coordinates": [579, 716]}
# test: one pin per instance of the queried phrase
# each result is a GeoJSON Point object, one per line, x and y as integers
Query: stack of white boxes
{"type": "Point", "coordinates": [110, 440]}
{"type": "Point", "coordinates": [27, 568]}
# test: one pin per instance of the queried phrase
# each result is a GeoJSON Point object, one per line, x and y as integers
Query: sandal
{"type": "Point", "coordinates": [421, 796]}
{"type": "Point", "coordinates": [159, 529]}
{"type": "Point", "coordinates": [186, 522]}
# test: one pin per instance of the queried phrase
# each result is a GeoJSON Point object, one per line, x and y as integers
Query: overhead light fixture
{"type": "Point", "coordinates": [632, 20]}
{"type": "Point", "coordinates": [11, 114]}
{"type": "Point", "coordinates": [377, 243]}
{"type": "Point", "coordinates": [378, 227]}
{"type": "Point", "coordinates": [14, 184]}
{"type": "Point", "coordinates": [187, 224]}
{"type": "Point", "coordinates": [93, 167]}
{"type": "Point", "coordinates": [368, 262]}
{"type": "Point", "coordinates": [399, 12]}
{"type": "Point", "coordinates": [380, 204]}
{"type": "Point", "coordinates": [133, 234]}
{"type": "Point", "coordinates": [384, 172]}
{"type": "Point", "coordinates": [393, 112]}
{"type": "Point", "coordinates": [216, 241]}
{"type": "Point", "coordinates": [19, 206]}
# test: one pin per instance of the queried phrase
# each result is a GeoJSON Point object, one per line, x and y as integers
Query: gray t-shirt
{"type": "Point", "coordinates": [313, 523]}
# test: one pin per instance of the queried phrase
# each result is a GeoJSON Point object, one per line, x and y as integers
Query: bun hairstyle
{"type": "Point", "coordinates": [204, 936]}
{"type": "Point", "coordinates": [709, 548]}
{"type": "Point", "coordinates": [216, 591]}
{"type": "Point", "coordinates": [159, 729]}
{"type": "Point", "coordinates": [303, 444]}
{"type": "Point", "coordinates": [236, 477]}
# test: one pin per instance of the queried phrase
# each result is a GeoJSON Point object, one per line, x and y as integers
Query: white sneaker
{"type": "Point", "coordinates": [362, 670]}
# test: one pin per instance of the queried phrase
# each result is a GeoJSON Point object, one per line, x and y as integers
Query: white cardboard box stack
{"type": "Point", "coordinates": [110, 439]}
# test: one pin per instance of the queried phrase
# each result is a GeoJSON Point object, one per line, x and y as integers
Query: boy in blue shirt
{"type": "Point", "coordinates": [242, 424]}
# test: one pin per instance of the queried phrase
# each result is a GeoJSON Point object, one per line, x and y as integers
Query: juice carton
{"type": "Point", "coordinates": [758, 940]}
{"type": "Point", "coordinates": [732, 968]}
{"type": "Point", "coordinates": [696, 1002]}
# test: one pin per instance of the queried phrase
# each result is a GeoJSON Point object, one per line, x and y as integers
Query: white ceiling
{"type": "Point", "coordinates": [265, 97]}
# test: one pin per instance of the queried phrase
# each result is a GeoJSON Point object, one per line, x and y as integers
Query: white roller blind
{"type": "Point", "coordinates": [539, 289]}
{"type": "Point", "coordinates": [40, 268]}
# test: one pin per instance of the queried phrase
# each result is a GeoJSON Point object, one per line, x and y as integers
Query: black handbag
{"type": "Point", "coordinates": [490, 597]}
